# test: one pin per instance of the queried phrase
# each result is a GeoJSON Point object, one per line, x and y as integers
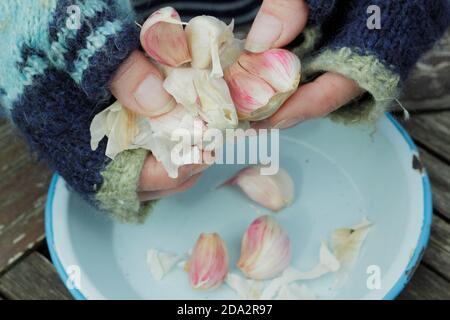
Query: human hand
{"type": "Point", "coordinates": [278, 23]}
{"type": "Point", "coordinates": [138, 85]}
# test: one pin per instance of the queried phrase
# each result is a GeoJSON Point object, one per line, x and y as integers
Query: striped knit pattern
{"type": "Point", "coordinates": [54, 78]}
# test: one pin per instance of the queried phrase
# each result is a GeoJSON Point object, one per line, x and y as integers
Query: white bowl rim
{"type": "Point", "coordinates": [392, 293]}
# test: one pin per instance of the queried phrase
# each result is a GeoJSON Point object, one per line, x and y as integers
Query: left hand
{"type": "Point", "coordinates": [278, 23]}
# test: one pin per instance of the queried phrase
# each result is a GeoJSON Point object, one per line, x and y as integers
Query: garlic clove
{"type": "Point", "coordinates": [274, 192]}
{"type": "Point", "coordinates": [206, 35]}
{"type": "Point", "coordinates": [208, 265]}
{"type": "Point", "coordinates": [278, 67]}
{"type": "Point", "coordinates": [216, 105]}
{"type": "Point", "coordinates": [260, 83]}
{"type": "Point", "coordinates": [164, 39]}
{"type": "Point", "coordinates": [265, 249]}
{"type": "Point", "coordinates": [250, 94]}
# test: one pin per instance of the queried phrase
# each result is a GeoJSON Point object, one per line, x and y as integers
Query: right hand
{"type": "Point", "coordinates": [137, 84]}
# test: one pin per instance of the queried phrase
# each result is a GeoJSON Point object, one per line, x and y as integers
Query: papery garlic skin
{"type": "Point", "coordinates": [274, 192]}
{"type": "Point", "coordinates": [206, 35]}
{"type": "Point", "coordinates": [118, 124]}
{"type": "Point", "coordinates": [208, 265]}
{"type": "Point", "coordinates": [265, 249]}
{"type": "Point", "coordinates": [164, 39]}
{"type": "Point", "coordinates": [203, 94]}
{"type": "Point", "coordinates": [161, 263]}
{"type": "Point", "coordinates": [260, 83]}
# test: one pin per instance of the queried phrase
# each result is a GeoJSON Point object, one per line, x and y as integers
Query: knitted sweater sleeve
{"type": "Point", "coordinates": [378, 56]}
{"type": "Point", "coordinates": [56, 59]}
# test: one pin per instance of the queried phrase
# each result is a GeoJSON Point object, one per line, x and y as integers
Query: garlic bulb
{"type": "Point", "coordinates": [206, 35]}
{"type": "Point", "coordinates": [208, 265]}
{"type": "Point", "coordinates": [265, 249]}
{"type": "Point", "coordinates": [164, 39]}
{"type": "Point", "coordinates": [273, 192]}
{"type": "Point", "coordinates": [261, 82]}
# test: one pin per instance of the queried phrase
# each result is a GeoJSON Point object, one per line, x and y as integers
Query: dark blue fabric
{"type": "Point", "coordinates": [320, 10]}
{"type": "Point", "coordinates": [54, 116]}
{"type": "Point", "coordinates": [408, 29]}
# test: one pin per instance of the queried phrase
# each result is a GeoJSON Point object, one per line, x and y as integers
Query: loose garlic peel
{"type": "Point", "coordinates": [161, 263]}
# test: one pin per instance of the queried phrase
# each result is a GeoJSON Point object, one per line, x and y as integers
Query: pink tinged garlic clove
{"type": "Point", "coordinates": [248, 92]}
{"type": "Point", "coordinates": [164, 39]}
{"type": "Point", "coordinates": [270, 77]}
{"type": "Point", "coordinates": [265, 249]}
{"type": "Point", "coordinates": [278, 67]}
{"type": "Point", "coordinates": [208, 265]}
{"type": "Point", "coordinates": [274, 192]}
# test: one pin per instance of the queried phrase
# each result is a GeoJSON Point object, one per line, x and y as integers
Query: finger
{"type": "Point", "coordinates": [138, 85]}
{"type": "Point", "coordinates": [155, 177]}
{"type": "Point", "coordinates": [277, 23]}
{"type": "Point", "coordinates": [152, 195]}
{"type": "Point", "coordinates": [327, 93]}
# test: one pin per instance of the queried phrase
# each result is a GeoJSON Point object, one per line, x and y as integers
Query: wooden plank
{"type": "Point", "coordinates": [33, 278]}
{"type": "Point", "coordinates": [428, 85]}
{"type": "Point", "coordinates": [426, 285]}
{"type": "Point", "coordinates": [439, 173]}
{"type": "Point", "coordinates": [437, 254]}
{"type": "Point", "coordinates": [431, 130]}
{"type": "Point", "coordinates": [23, 189]}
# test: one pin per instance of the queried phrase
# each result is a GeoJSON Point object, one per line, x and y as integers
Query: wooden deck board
{"type": "Point", "coordinates": [426, 285]}
{"type": "Point", "coordinates": [33, 278]}
{"type": "Point", "coordinates": [23, 190]}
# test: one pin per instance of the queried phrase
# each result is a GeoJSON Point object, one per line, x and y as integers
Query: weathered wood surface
{"type": "Point", "coordinates": [23, 189]}
{"type": "Point", "coordinates": [428, 86]}
{"type": "Point", "coordinates": [33, 278]}
{"type": "Point", "coordinates": [426, 285]}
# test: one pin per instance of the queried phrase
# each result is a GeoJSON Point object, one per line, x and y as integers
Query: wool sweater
{"type": "Point", "coordinates": [54, 76]}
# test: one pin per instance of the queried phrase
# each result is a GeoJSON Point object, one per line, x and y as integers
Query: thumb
{"type": "Point", "coordinates": [277, 23]}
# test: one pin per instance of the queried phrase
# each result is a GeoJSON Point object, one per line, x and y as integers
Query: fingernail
{"type": "Point", "coordinates": [264, 124]}
{"type": "Point", "coordinates": [287, 123]}
{"type": "Point", "coordinates": [152, 98]}
{"type": "Point", "coordinates": [265, 31]}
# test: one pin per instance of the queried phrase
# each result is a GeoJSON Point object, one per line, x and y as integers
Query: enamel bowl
{"type": "Point", "coordinates": [342, 174]}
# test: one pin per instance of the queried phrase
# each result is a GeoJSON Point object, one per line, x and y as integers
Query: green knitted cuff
{"type": "Point", "coordinates": [117, 194]}
{"type": "Point", "coordinates": [366, 70]}
{"type": "Point", "coordinates": [311, 36]}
